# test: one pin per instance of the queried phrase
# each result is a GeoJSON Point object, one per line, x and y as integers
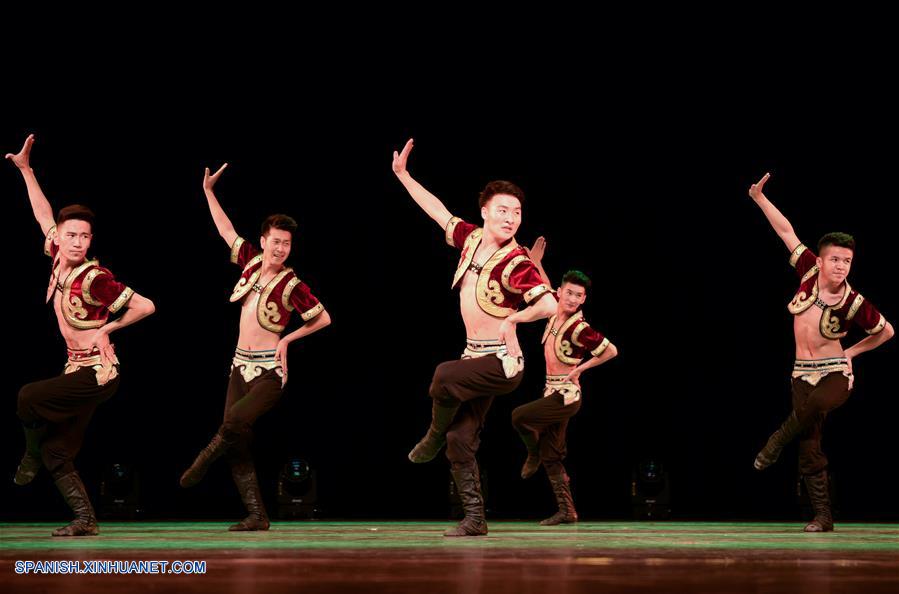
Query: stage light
{"type": "Point", "coordinates": [119, 492]}
{"type": "Point", "coordinates": [296, 472]}
{"type": "Point", "coordinates": [297, 490]}
{"type": "Point", "coordinates": [650, 491]}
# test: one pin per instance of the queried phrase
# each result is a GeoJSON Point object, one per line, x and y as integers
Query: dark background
{"type": "Point", "coordinates": [636, 174]}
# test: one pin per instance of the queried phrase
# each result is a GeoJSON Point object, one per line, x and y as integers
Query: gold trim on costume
{"type": "Point", "coordinates": [72, 307]}
{"type": "Point", "coordinates": [251, 366]}
{"type": "Point", "coordinates": [601, 348]}
{"type": "Point", "coordinates": [76, 308]}
{"type": "Point", "coordinates": [468, 248]}
{"type": "Point", "coordinates": [288, 289]}
{"type": "Point", "coordinates": [314, 311]}
{"type": "Point", "coordinates": [235, 249]}
{"type": "Point", "coordinates": [535, 292]}
{"type": "Point", "coordinates": [73, 365]}
{"type": "Point", "coordinates": [563, 347]}
{"type": "Point", "coordinates": [488, 293]}
{"type": "Point", "coordinates": [845, 296]}
{"type": "Point", "coordinates": [814, 370]}
{"type": "Point", "coordinates": [853, 309]}
{"type": "Point", "coordinates": [801, 300]}
{"type": "Point", "coordinates": [880, 326]}
{"type": "Point", "coordinates": [121, 300]}
{"type": "Point", "coordinates": [475, 348]}
{"type": "Point", "coordinates": [577, 332]}
{"type": "Point", "coordinates": [51, 233]}
{"type": "Point", "coordinates": [450, 229]}
{"type": "Point", "coordinates": [54, 282]}
{"type": "Point", "coordinates": [257, 259]}
{"type": "Point", "coordinates": [244, 285]}
{"type": "Point", "coordinates": [507, 273]}
{"type": "Point", "coordinates": [830, 324]}
{"type": "Point", "coordinates": [494, 294]}
{"type": "Point", "coordinates": [794, 255]}
{"type": "Point", "coordinates": [809, 274]}
{"type": "Point", "coordinates": [86, 286]}
{"type": "Point", "coordinates": [549, 326]}
{"type": "Point", "coordinates": [267, 314]}
{"type": "Point", "coordinates": [102, 373]}
{"type": "Point", "coordinates": [570, 391]}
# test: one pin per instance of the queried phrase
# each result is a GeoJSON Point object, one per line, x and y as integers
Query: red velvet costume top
{"type": "Point", "coordinates": [835, 319]}
{"type": "Point", "coordinates": [89, 293]}
{"type": "Point", "coordinates": [575, 338]}
{"type": "Point", "coordinates": [506, 279]}
{"type": "Point", "coordinates": [281, 296]}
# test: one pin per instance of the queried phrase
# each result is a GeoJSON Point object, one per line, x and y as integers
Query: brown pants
{"type": "Point", "coordinates": [64, 403]}
{"type": "Point", "coordinates": [545, 421]}
{"type": "Point", "coordinates": [246, 402]}
{"type": "Point", "coordinates": [473, 383]}
{"type": "Point", "coordinates": [812, 403]}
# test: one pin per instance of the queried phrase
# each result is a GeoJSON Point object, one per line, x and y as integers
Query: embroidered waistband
{"type": "Point", "coordinates": [253, 364]}
{"type": "Point", "coordinates": [80, 358]}
{"type": "Point", "coordinates": [86, 358]}
{"type": "Point", "coordinates": [79, 355]}
{"type": "Point", "coordinates": [556, 379]}
{"type": "Point", "coordinates": [813, 370]}
{"type": "Point", "coordinates": [555, 382]}
{"type": "Point", "coordinates": [482, 348]}
{"type": "Point", "coordinates": [490, 345]}
{"type": "Point", "coordinates": [570, 391]}
{"type": "Point", "coordinates": [254, 356]}
{"type": "Point", "coordinates": [830, 364]}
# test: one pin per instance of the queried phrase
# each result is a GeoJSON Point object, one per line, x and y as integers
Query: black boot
{"type": "Point", "coordinates": [244, 476]}
{"type": "Point", "coordinates": [562, 491]}
{"type": "Point", "coordinates": [819, 495]}
{"type": "Point", "coordinates": [468, 485]}
{"type": "Point", "coordinates": [207, 456]}
{"type": "Point", "coordinates": [31, 460]}
{"type": "Point", "coordinates": [73, 491]}
{"type": "Point", "coordinates": [780, 438]}
{"type": "Point", "coordinates": [441, 417]}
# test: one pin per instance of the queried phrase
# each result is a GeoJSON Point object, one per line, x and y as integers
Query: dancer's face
{"type": "Point", "coordinates": [502, 216]}
{"type": "Point", "coordinates": [834, 263]}
{"type": "Point", "coordinates": [275, 246]}
{"type": "Point", "coordinates": [73, 238]}
{"type": "Point", "coordinates": [571, 297]}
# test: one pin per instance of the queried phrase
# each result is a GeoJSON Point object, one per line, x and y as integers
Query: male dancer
{"type": "Point", "coordinates": [494, 275]}
{"type": "Point", "coordinates": [824, 308]}
{"type": "Point", "coordinates": [269, 292]}
{"type": "Point", "coordinates": [55, 412]}
{"type": "Point", "coordinates": [542, 423]}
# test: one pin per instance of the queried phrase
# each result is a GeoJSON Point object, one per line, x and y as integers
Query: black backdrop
{"type": "Point", "coordinates": [639, 180]}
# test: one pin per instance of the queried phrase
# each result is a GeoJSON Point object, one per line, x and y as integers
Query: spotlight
{"type": "Point", "coordinates": [650, 491]}
{"type": "Point", "coordinates": [297, 490]}
{"type": "Point", "coordinates": [119, 492]}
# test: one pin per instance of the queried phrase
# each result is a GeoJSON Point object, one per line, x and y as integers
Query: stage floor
{"type": "Point", "coordinates": [414, 557]}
